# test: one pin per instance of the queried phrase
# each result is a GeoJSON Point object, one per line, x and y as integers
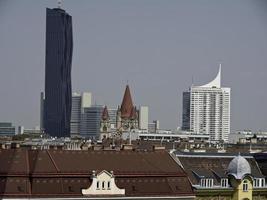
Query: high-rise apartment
{"type": "Point", "coordinates": [58, 58]}
{"type": "Point", "coordinates": [206, 109]}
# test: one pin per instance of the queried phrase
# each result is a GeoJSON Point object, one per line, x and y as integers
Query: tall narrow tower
{"type": "Point", "coordinates": [58, 58]}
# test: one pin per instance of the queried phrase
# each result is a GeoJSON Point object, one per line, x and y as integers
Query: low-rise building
{"type": "Point", "coordinates": [224, 176]}
{"type": "Point", "coordinates": [59, 174]}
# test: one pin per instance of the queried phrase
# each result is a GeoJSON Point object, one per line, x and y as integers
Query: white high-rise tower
{"type": "Point", "coordinates": [206, 109]}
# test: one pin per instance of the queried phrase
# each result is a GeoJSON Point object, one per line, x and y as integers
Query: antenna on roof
{"type": "Point", "coordinates": [59, 3]}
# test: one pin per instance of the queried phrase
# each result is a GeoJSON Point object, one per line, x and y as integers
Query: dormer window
{"type": "Point", "coordinates": [97, 185]}
{"type": "Point", "coordinates": [206, 182]}
{"type": "Point", "coordinates": [224, 182]}
{"type": "Point", "coordinates": [103, 183]}
{"type": "Point", "coordinates": [258, 182]}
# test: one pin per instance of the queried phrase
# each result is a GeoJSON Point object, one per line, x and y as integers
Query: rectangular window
{"type": "Point", "coordinates": [108, 185]}
{"type": "Point", "coordinates": [245, 186]}
{"type": "Point", "coordinates": [224, 182]}
{"type": "Point", "coordinates": [97, 185]}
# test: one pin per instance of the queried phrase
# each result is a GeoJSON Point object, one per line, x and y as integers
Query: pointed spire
{"type": "Point", "coordinates": [127, 103]}
{"type": "Point", "coordinates": [105, 115]}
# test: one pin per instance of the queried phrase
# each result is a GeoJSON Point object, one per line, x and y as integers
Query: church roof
{"type": "Point", "coordinates": [127, 103]}
{"type": "Point", "coordinates": [105, 115]}
{"type": "Point", "coordinates": [133, 113]}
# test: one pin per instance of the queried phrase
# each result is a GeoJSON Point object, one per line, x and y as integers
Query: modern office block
{"type": "Point", "coordinates": [143, 118]}
{"type": "Point", "coordinates": [7, 129]}
{"type": "Point", "coordinates": [153, 127]}
{"type": "Point", "coordinates": [58, 58]}
{"type": "Point", "coordinates": [79, 103]}
{"type": "Point", "coordinates": [206, 109]}
{"type": "Point", "coordinates": [90, 121]}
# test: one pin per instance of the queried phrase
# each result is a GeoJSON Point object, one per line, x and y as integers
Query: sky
{"type": "Point", "coordinates": [158, 46]}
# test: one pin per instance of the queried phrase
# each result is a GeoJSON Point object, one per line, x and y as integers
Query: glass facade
{"type": "Point", "coordinates": [59, 44]}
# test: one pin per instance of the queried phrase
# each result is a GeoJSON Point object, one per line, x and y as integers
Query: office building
{"type": "Point", "coordinates": [143, 118]}
{"type": "Point", "coordinates": [79, 103]}
{"type": "Point", "coordinates": [7, 129]}
{"type": "Point", "coordinates": [206, 109]}
{"type": "Point", "coordinates": [153, 127]}
{"type": "Point", "coordinates": [90, 121]}
{"type": "Point", "coordinates": [58, 58]}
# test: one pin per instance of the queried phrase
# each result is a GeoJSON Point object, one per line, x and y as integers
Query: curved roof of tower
{"type": "Point", "coordinates": [239, 167]}
{"type": "Point", "coordinates": [127, 103]}
{"type": "Point", "coordinates": [216, 82]}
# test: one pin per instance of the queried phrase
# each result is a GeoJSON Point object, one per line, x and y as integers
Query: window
{"type": "Point", "coordinates": [208, 183]}
{"type": "Point", "coordinates": [245, 186]}
{"type": "Point", "coordinates": [103, 185]}
{"type": "Point", "coordinates": [108, 185]}
{"type": "Point", "coordinates": [97, 185]}
{"type": "Point", "coordinates": [259, 182]}
{"type": "Point", "coordinates": [224, 182]}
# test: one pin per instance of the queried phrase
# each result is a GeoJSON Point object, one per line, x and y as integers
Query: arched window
{"type": "Point", "coordinates": [245, 186]}
{"type": "Point", "coordinates": [103, 185]}
{"type": "Point", "coordinates": [108, 185]}
{"type": "Point", "coordinates": [97, 185]}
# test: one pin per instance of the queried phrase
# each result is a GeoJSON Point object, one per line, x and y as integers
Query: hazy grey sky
{"type": "Point", "coordinates": [157, 45]}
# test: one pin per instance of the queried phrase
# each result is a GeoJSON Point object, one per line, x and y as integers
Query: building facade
{"type": "Point", "coordinates": [58, 58]}
{"type": "Point", "coordinates": [79, 103]}
{"type": "Point", "coordinates": [206, 110]}
{"type": "Point", "coordinates": [224, 176]}
{"type": "Point", "coordinates": [91, 121]}
{"type": "Point", "coordinates": [7, 129]}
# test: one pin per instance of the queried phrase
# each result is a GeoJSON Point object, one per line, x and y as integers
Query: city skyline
{"type": "Point", "coordinates": [157, 46]}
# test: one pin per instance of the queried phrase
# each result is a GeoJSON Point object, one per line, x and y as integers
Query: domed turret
{"type": "Point", "coordinates": [239, 167]}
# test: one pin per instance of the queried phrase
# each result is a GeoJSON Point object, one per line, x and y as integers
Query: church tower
{"type": "Point", "coordinates": [127, 115]}
{"type": "Point", "coordinates": [105, 124]}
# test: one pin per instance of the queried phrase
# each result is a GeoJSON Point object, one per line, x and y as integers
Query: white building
{"type": "Point", "coordinates": [206, 109]}
{"type": "Point", "coordinates": [143, 118]}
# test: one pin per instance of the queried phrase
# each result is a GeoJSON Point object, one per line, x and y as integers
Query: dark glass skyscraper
{"type": "Point", "coordinates": [58, 58]}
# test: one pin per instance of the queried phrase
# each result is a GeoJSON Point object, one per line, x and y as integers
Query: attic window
{"type": "Point", "coordinates": [103, 185]}
{"type": "Point", "coordinates": [97, 185]}
{"type": "Point", "coordinates": [258, 182]}
{"type": "Point", "coordinates": [206, 182]}
{"type": "Point", "coordinates": [224, 182]}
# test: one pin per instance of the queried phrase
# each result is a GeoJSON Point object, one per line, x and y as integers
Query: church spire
{"type": "Point", "coordinates": [105, 115]}
{"type": "Point", "coordinates": [127, 103]}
